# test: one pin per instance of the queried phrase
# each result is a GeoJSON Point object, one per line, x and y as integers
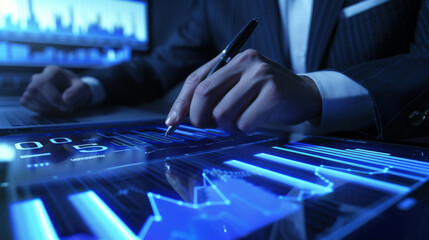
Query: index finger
{"type": "Point", "coordinates": [181, 105]}
{"type": "Point", "coordinates": [47, 91]}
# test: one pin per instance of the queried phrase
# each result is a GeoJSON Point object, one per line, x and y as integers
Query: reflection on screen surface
{"type": "Point", "coordinates": [132, 182]}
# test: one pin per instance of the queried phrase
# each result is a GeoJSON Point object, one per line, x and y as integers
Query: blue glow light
{"type": "Point", "coordinates": [102, 221]}
{"type": "Point", "coordinates": [7, 153]}
{"type": "Point", "coordinates": [35, 165]}
{"type": "Point", "coordinates": [407, 204]}
{"type": "Point", "coordinates": [288, 180]}
{"type": "Point", "coordinates": [30, 220]}
{"type": "Point", "coordinates": [337, 174]}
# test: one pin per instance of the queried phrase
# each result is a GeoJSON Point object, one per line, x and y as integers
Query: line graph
{"type": "Point", "coordinates": [398, 166]}
{"type": "Point", "coordinates": [234, 198]}
{"type": "Point", "coordinates": [383, 171]}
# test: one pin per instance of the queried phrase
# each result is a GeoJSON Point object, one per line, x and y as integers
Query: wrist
{"type": "Point", "coordinates": [97, 93]}
{"type": "Point", "coordinates": [312, 99]}
{"type": "Point", "coordinates": [90, 99]}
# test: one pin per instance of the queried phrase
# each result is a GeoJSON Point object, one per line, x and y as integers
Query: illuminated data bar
{"type": "Point", "coordinates": [154, 139]}
{"type": "Point", "coordinates": [35, 155]}
{"type": "Point", "coordinates": [150, 136]}
{"type": "Point", "coordinates": [206, 131]}
{"type": "Point", "coordinates": [364, 158]}
{"type": "Point", "coordinates": [103, 222]}
{"type": "Point", "coordinates": [336, 174]}
{"type": "Point", "coordinates": [278, 177]}
{"type": "Point", "coordinates": [371, 152]}
{"type": "Point", "coordinates": [217, 132]}
{"type": "Point", "coordinates": [125, 140]}
{"type": "Point", "coordinates": [184, 133]}
{"type": "Point", "coordinates": [31, 221]}
{"type": "Point", "coordinates": [386, 158]}
{"type": "Point", "coordinates": [390, 157]}
{"type": "Point", "coordinates": [328, 158]}
{"type": "Point", "coordinates": [128, 138]}
{"type": "Point", "coordinates": [162, 136]}
{"type": "Point", "coordinates": [417, 174]}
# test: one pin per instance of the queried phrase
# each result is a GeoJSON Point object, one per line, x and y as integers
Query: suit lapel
{"type": "Point", "coordinates": [324, 18]}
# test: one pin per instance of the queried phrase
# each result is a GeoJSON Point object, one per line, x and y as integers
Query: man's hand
{"type": "Point", "coordinates": [247, 92]}
{"type": "Point", "coordinates": [55, 91]}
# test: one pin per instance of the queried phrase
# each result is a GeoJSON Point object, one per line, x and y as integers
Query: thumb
{"type": "Point", "coordinates": [181, 105]}
{"type": "Point", "coordinates": [78, 94]}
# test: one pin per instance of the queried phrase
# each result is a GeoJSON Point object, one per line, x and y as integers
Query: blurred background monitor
{"type": "Point", "coordinates": [71, 33]}
{"type": "Point", "coordinates": [78, 35]}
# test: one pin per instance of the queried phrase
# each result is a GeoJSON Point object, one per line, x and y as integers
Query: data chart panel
{"type": "Point", "coordinates": [135, 183]}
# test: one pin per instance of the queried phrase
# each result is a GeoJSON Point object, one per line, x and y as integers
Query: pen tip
{"type": "Point", "coordinates": [167, 132]}
{"type": "Point", "coordinates": [170, 130]}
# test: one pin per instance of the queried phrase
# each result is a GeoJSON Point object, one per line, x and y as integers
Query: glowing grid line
{"type": "Point", "coordinates": [30, 220]}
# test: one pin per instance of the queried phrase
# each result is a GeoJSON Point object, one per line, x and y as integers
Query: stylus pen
{"type": "Point", "coordinates": [227, 54]}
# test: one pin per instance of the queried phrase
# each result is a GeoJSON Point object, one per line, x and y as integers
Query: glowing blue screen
{"type": "Point", "coordinates": [134, 183]}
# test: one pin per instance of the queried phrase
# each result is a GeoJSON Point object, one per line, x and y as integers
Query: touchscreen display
{"type": "Point", "coordinates": [132, 182]}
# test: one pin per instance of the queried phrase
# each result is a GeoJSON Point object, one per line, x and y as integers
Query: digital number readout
{"type": "Point", "coordinates": [82, 148]}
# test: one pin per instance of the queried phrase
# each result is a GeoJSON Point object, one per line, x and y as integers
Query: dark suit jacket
{"type": "Point", "coordinates": [385, 49]}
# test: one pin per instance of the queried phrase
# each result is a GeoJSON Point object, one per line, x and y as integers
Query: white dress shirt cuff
{"type": "Point", "coordinates": [97, 90]}
{"type": "Point", "coordinates": [346, 105]}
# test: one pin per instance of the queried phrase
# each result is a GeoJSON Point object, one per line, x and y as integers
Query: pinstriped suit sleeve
{"type": "Point", "coordinates": [150, 76]}
{"type": "Point", "coordinates": [399, 85]}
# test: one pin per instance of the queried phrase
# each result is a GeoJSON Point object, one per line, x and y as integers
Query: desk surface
{"type": "Point", "coordinates": [131, 182]}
